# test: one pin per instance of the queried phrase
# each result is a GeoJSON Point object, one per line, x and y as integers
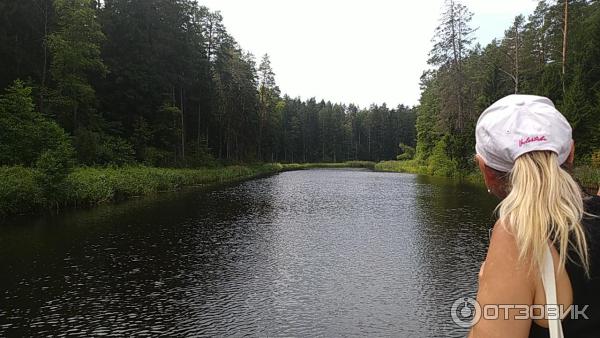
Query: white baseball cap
{"type": "Point", "coordinates": [518, 124]}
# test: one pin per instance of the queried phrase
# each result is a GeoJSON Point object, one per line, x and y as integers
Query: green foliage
{"type": "Point", "coordinates": [115, 150]}
{"type": "Point", "coordinates": [19, 191]}
{"type": "Point", "coordinates": [426, 124]}
{"type": "Point", "coordinates": [410, 166]}
{"type": "Point", "coordinates": [86, 144]}
{"type": "Point", "coordinates": [75, 50]}
{"type": "Point", "coordinates": [98, 148]}
{"type": "Point", "coordinates": [360, 164]}
{"type": "Point", "coordinates": [156, 157]}
{"type": "Point", "coordinates": [30, 139]}
{"type": "Point", "coordinates": [90, 186]}
{"type": "Point", "coordinates": [181, 92]}
{"type": "Point", "coordinates": [408, 152]}
{"type": "Point", "coordinates": [439, 163]}
{"type": "Point", "coordinates": [48, 187]}
{"type": "Point", "coordinates": [200, 156]}
{"type": "Point", "coordinates": [347, 164]}
{"type": "Point", "coordinates": [166, 134]}
{"type": "Point", "coordinates": [26, 134]}
{"type": "Point", "coordinates": [528, 60]}
{"type": "Point", "coordinates": [53, 167]}
{"type": "Point", "coordinates": [18, 125]}
{"type": "Point", "coordinates": [142, 134]}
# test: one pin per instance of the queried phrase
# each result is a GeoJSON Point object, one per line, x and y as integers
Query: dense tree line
{"type": "Point", "coordinates": [555, 52]}
{"type": "Point", "coordinates": [162, 82]}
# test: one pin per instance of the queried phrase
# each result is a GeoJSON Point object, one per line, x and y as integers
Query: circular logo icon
{"type": "Point", "coordinates": [466, 312]}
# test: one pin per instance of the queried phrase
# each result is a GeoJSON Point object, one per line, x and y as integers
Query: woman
{"type": "Point", "coordinates": [523, 145]}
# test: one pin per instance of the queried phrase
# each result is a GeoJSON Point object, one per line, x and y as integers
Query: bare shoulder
{"type": "Point", "coordinates": [505, 279]}
{"type": "Point", "coordinates": [502, 260]}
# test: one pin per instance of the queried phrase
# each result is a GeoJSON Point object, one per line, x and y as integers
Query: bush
{"type": "Point", "coordinates": [331, 165]}
{"type": "Point", "coordinates": [53, 167]}
{"type": "Point", "coordinates": [408, 152]}
{"type": "Point", "coordinates": [86, 144]}
{"type": "Point", "coordinates": [99, 148]}
{"type": "Point", "coordinates": [115, 150]}
{"type": "Point", "coordinates": [30, 139]}
{"type": "Point", "coordinates": [19, 191]}
{"type": "Point", "coordinates": [24, 133]}
{"type": "Point", "coordinates": [360, 164]}
{"type": "Point", "coordinates": [439, 163]}
{"type": "Point", "coordinates": [199, 156]}
{"type": "Point", "coordinates": [155, 157]}
{"type": "Point", "coordinates": [410, 166]}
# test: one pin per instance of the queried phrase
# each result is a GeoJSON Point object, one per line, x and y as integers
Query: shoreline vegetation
{"type": "Point", "coordinates": [586, 175]}
{"type": "Point", "coordinates": [22, 190]}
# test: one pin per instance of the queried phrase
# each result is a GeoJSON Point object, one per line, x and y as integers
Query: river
{"type": "Point", "coordinates": [305, 253]}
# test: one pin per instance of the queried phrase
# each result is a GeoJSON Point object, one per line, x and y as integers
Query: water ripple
{"type": "Point", "coordinates": [310, 253]}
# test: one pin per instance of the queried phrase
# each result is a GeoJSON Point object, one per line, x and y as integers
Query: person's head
{"type": "Point", "coordinates": [523, 145]}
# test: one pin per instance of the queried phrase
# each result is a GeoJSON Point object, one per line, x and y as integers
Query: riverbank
{"type": "Point", "coordinates": [22, 189]}
{"type": "Point", "coordinates": [587, 176]}
{"type": "Point", "coordinates": [348, 164]}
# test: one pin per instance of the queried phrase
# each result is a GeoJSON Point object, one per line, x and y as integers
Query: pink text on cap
{"type": "Point", "coordinates": [532, 139]}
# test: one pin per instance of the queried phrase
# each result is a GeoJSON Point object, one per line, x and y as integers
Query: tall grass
{"type": "Point", "coordinates": [97, 185]}
{"type": "Point", "coordinates": [347, 164]}
{"type": "Point", "coordinates": [20, 191]}
{"type": "Point", "coordinates": [408, 166]}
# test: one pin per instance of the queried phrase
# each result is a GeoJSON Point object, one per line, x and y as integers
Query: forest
{"type": "Point", "coordinates": [102, 100]}
{"type": "Point", "coordinates": [554, 52]}
{"type": "Point", "coordinates": [162, 83]}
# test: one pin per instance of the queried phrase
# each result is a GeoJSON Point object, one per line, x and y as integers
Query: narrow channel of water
{"type": "Point", "coordinates": [304, 253]}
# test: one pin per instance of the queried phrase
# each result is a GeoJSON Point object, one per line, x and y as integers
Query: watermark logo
{"type": "Point", "coordinates": [466, 312]}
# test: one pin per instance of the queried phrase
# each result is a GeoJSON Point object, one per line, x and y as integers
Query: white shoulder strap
{"type": "Point", "coordinates": [549, 282]}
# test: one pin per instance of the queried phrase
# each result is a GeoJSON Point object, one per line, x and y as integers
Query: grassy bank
{"type": "Point", "coordinates": [587, 176]}
{"type": "Point", "coordinates": [349, 164]}
{"type": "Point", "coordinates": [22, 190]}
{"type": "Point", "coordinates": [409, 166]}
{"type": "Point", "coordinates": [416, 167]}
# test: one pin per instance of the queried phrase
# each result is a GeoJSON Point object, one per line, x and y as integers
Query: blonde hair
{"type": "Point", "coordinates": [544, 204]}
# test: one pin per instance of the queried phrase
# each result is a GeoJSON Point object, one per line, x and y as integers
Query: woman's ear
{"type": "Point", "coordinates": [493, 180]}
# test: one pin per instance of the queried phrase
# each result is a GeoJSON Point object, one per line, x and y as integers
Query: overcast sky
{"type": "Point", "coordinates": [352, 51]}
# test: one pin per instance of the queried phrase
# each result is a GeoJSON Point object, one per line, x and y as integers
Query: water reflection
{"type": "Point", "coordinates": [453, 239]}
{"type": "Point", "coordinates": [307, 253]}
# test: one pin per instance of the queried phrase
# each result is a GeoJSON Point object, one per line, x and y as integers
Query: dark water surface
{"type": "Point", "coordinates": [304, 253]}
